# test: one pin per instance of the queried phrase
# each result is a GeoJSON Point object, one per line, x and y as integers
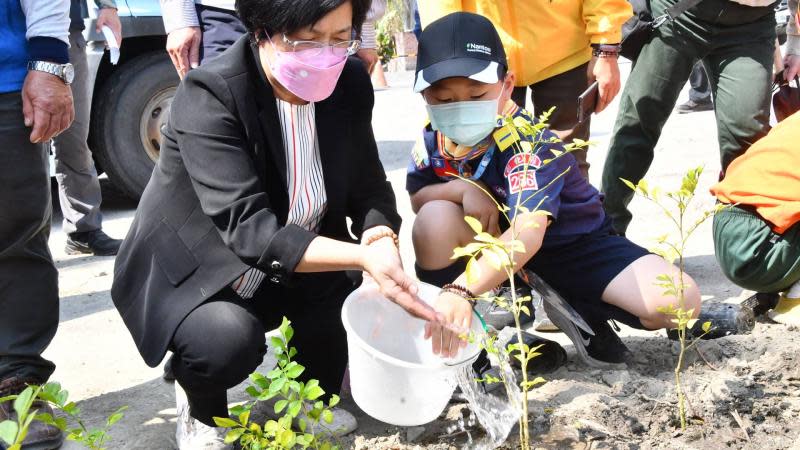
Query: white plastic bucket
{"type": "Point", "coordinates": [394, 375]}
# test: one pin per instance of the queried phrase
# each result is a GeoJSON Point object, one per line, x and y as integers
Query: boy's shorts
{"type": "Point", "coordinates": [752, 255]}
{"type": "Point", "coordinates": [581, 270]}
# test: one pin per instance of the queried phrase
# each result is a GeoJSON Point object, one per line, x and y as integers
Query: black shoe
{"type": "Point", "coordinates": [606, 345]}
{"type": "Point", "coordinates": [499, 317]}
{"type": "Point", "coordinates": [604, 350]}
{"type": "Point", "coordinates": [551, 354]}
{"type": "Point", "coordinates": [692, 106]}
{"type": "Point", "coordinates": [726, 319]}
{"type": "Point", "coordinates": [41, 436]}
{"type": "Point", "coordinates": [92, 242]}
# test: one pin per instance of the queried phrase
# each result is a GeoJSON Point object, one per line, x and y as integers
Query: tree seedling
{"type": "Point", "coordinates": [675, 205]}
{"type": "Point", "coordinates": [13, 432]}
{"type": "Point", "coordinates": [303, 415]}
{"type": "Point", "coordinates": [500, 254]}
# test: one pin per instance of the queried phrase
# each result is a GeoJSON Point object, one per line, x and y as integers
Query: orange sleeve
{"type": "Point", "coordinates": [604, 19]}
{"type": "Point", "coordinates": [430, 10]}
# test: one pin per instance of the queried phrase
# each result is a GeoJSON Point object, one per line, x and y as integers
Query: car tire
{"type": "Point", "coordinates": [131, 106]}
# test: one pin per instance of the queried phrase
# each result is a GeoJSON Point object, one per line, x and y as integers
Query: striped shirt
{"type": "Point", "coordinates": [305, 181]}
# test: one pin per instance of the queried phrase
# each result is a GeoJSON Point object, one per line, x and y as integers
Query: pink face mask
{"type": "Point", "coordinates": [309, 74]}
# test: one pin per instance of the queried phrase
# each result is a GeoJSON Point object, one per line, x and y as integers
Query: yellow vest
{"type": "Point", "coordinates": [542, 38]}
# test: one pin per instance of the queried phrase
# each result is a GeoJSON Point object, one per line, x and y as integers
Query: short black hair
{"type": "Point", "coordinates": [286, 16]}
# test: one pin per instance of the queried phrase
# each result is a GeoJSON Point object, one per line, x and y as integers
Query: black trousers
{"type": "Point", "coordinates": [221, 342]}
{"type": "Point", "coordinates": [28, 278]}
{"type": "Point", "coordinates": [561, 91]}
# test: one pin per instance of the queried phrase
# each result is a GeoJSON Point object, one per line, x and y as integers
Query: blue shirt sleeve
{"type": "Point", "coordinates": [537, 181]}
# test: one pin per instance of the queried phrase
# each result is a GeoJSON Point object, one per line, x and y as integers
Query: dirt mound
{"type": "Point", "coordinates": [742, 393]}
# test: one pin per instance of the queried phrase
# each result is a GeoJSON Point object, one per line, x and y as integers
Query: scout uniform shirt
{"type": "Point", "coordinates": [575, 204]}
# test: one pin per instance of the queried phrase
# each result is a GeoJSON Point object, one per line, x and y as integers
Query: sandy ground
{"type": "Point", "coordinates": [755, 377]}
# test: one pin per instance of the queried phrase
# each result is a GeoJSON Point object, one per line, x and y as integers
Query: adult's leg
{"type": "Point", "coordinates": [220, 29]}
{"type": "Point", "coordinates": [740, 69]}
{"type": "Point", "coordinates": [635, 291]}
{"type": "Point", "coordinates": [28, 278]}
{"type": "Point", "coordinates": [700, 91]}
{"type": "Point", "coordinates": [562, 92]}
{"type": "Point", "coordinates": [215, 348]}
{"type": "Point", "coordinates": [319, 336]}
{"type": "Point", "coordinates": [753, 256]}
{"type": "Point", "coordinates": [645, 104]}
{"type": "Point", "coordinates": [78, 186]}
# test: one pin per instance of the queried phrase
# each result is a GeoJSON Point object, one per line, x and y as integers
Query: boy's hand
{"type": "Point", "coordinates": [480, 206]}
{"type": "Point", "coordinates": [457, 312]}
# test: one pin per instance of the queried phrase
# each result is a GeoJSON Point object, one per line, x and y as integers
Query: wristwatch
{"type": "Point", "coordinates": [64, 71]}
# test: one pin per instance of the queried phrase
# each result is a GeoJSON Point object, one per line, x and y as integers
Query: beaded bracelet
{"type": "Point", "coordinates": [380, 235]}
{"type": "Point", "coordinates": [461, 291]}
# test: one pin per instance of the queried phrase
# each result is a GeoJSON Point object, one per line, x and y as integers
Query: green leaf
{"type": "Point", "coordinates": [333, 401]}
{"type": "Point", "coordinates": [225, 422]}
{"type": "Point", "coordinates": [280, 405]}
{"type": "Point", "coordinates": [277, 385]}
{"type": "Point", "coordinates": [244, 418]}
{"type": "Point", "coordinates": [8, 431]}
{"type": "Point", "coordinates": [23, 402]}
{"type": "Point", "coordinates": [474, 223]}
{"type": "Point", "coordinates": [294, 370]}
{"type": "Point", "coordinates": [234, 435]}
{"type": "Point", "coordinates": [314, 393]}
{"type": "Point", "coordinates": [286, 438]}
{"type": "Point", "coordinates": [327, 416]}
{"type": "Point", "coordinates": [252, 391]}
{"type": "Point", "coordinates": [473, 271]}
{"type": "Point", "coordinates": [294, 408]}
{"type": "Point", "coordinates": [302, 424]}
{"type": "Point", "coordinates": [706, 327]}
{"type": "Point", "coordinates": [114, 418]}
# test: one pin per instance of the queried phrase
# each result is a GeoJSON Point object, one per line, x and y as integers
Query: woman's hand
{"type": "Point", "coordinates": [381, 260]}
{"type": "Point", "coordinates": [480, 206]}
{"type": "Point", "coordinates": [606, 72]}
{"type": "Point", "coordinates": [447, 338]}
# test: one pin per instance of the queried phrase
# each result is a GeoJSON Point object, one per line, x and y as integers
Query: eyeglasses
{"type": "Point", "coordinates": [314, 48]}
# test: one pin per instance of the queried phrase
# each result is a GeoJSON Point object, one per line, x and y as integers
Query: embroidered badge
{"type": "Point", "coordinates": [523, 180]}
{"type": "Point", "coordinates": [420, 155]}
{"type": "Point", "coordinates": [505, 137]}
{"type": "Point", "coordinates": [443, 169]}
{"type": "Point", "coordinates": [522, 160]}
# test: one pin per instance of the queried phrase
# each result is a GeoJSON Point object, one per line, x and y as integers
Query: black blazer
{"type": "Point", "coordinates": [217, 201]}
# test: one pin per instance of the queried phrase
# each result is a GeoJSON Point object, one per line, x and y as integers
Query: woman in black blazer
{"type": "Point", "coordinates": [244, 219]}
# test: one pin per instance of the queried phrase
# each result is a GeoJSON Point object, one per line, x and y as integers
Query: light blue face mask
{"type": "Point", "coordinates": [465, 123]}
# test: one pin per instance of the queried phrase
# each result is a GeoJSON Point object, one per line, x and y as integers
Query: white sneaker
{"type": "Point", "coordinates": [343, 423]}
{"type": "Point", "coordinates": [191, 434]}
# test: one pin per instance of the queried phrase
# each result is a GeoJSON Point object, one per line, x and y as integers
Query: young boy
{"type": "Point", "coordinates": [757, 239]}
{"type": "Point", "coordinates": [463, 77]}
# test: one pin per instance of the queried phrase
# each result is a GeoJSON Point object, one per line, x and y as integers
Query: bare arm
{"type": "Point", "coordinates": [530, 230]}
{"type": "Point", "coordinates": [452, 191]}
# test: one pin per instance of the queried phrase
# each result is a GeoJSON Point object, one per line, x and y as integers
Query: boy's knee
{"type": "Point", "coordinates": [436, 220]}
{"type": "Point", "coordinates": [656, 320]}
